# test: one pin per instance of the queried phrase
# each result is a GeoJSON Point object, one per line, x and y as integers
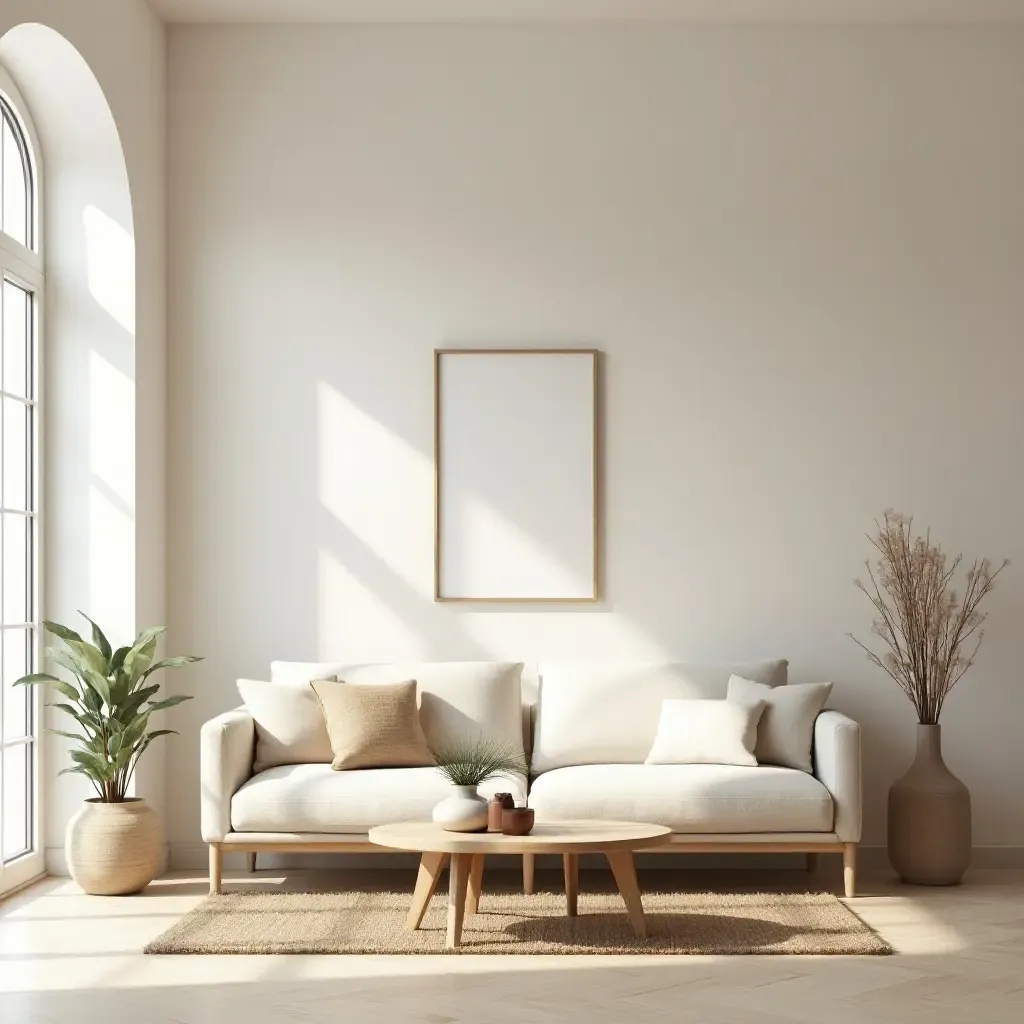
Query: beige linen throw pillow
{"type": "Point", "coordinates": [785, 734]}
{"type": "Point", "coordinates": [373, 726]}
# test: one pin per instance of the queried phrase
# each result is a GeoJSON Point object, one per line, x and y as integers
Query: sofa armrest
{"type": "Point", "coordinates": [837, 768]}
{"type": "Point", "coordinates": [226, 746]}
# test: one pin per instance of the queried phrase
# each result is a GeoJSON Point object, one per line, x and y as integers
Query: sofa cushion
{"type": "Point", "coordinates": [290, 726]}
{"type": "Point", "coordinates": [457, 698]}
{"type": "Point", "coordinates": [314, 798]}
{"type": "Point", "coordinates": [785, 733]}
{"type": "Point", "coordinates": [706, 732]}
{"type": "Point", "coordinates": [686, 797]}
{"type": "Point", "coordinates": [608, 714]}
{"type": "Point", "coordinates": [373, 726]}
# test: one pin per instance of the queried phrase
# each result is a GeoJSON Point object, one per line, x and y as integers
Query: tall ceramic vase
{"type": "Point", "coordinates": [930, 817]}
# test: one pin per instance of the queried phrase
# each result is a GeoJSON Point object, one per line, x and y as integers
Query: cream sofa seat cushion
{"type": "Point", "coordinates": [457, 698]}
{"type": "Point", "coordinates": [314, 798]}
{"type": "Point", "coordinates": [608, 714]}
{"type": "Point", "coordinates": [686, 797]}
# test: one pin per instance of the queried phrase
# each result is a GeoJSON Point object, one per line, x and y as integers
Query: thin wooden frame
{"type": "Point", "coordinates": [439, 354]}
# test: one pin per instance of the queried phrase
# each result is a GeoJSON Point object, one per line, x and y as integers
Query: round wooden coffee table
{"type": "Point", "coordinates": [466, 850]}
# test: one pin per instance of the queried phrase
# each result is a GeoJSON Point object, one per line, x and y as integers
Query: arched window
{"type": "Point", "coordinates": [17, 204]}
{"type": "Point", "coordinates": [21, 284]}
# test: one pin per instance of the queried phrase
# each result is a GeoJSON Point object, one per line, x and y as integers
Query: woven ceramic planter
{"type": "Point", "coordinates": [113, 849]}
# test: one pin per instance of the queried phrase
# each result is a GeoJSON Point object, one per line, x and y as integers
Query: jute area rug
{"type": "Point", "coordinates": [512, 923]}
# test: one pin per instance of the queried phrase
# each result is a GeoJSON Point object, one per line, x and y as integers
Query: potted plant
{"type": "Point", "coordinates": [930, 635]}
{"type": "Point", "coordinates": [467, 764]}
{"type": "Point", "coordinates": [112, 844]}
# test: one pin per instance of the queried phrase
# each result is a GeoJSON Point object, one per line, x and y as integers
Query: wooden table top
{"type": "Point", "coordinates": [546, 837]}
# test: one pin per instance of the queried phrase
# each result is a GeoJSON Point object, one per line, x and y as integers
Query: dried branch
{"type": "Point", "coordinates": [925, 627]}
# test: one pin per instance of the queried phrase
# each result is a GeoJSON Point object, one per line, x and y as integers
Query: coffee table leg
{"type": "Point", "coordinates": [528, 873]}
{"type": "Point", "coordinates": [625, 878]}
{"type": "Point", "coordinates": [476, 884]}
{"type": "Point", "coordinates": [431, 866]}
{"type": "Point", "coordinates": [458, 884]}
{"type": "Point", "coordinates": [571, 870]}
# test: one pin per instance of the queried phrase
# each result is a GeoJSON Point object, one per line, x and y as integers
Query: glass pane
{"type": "Point", "coordinates": [17, 305]}
{"type": "Point", "coordinates": [15, 569]}
{"type": "Point", "coordinates": [15, 187]}
{"type": "Point", "coordinates": [15, 449]}
{"type": "Point", "coordinates": [15, 826]}
{"type": "Point", "coordinates": [16, 698]}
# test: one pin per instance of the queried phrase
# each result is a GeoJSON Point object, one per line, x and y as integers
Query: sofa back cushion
{"type": "Point", "coordinates": [457, 698]}
{"type": "Point", "coordinates": [608, 713]}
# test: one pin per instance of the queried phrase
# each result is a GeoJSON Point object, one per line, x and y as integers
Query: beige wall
{"type": "Point", "coordinates": [799, 249]}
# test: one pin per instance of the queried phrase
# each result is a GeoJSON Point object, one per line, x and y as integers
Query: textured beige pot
{"type": "Point", "coordinates": [113, 849]}
{"type": "Point", "coordinates": [930, 817]}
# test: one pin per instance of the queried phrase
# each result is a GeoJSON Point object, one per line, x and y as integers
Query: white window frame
{"type": "Point", "coordinates": [24, 266]}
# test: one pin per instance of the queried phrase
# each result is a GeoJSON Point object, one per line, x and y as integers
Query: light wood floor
{"type": "Point", "coordinates": [65, 957]}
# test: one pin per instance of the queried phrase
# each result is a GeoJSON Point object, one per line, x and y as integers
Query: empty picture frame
{"type": "Point", "coordinates": [515, 463]}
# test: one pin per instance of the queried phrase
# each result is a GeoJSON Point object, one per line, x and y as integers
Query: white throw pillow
{"type": "Point", "coordinates": [607, 712]}
{"type": "Point", "coordinates": [290, 725]}
{"type": "Point", "coordinates": [785, 734]}
{"type": "Point", "coordinates": [457, 698]}
{"type": "Point", "coordinates": [706, 732]}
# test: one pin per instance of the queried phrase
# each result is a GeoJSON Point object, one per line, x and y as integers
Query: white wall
{"type": "Point", "coordinates": [799, 249]}
{"type": "Point", "coordinates": [93, 76]}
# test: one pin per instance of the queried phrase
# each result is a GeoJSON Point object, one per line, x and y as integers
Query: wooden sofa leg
{"type": "Point", "coordinates": [216, 864]}
{"type": "Point", "coordinates": [528, 864]}
{"type": "Point", "coordinates": [850, 869]}
{"type": "Point", "coordinates": [250, 861]}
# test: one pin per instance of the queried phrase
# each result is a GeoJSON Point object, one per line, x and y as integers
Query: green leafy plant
{"type": "Point", "coordinates": [470, 762]}
{"type": "Point", "coordinates": [111, 699]}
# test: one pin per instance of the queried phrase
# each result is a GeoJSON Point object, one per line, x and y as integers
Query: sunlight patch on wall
{"type": "Point", "coordinates": [111, 417]}
{"type": "Point", "coordinates": [543, 634]}
{"type": "Point", "coordinates": [378, 486]}
{"type": "Point", "coordinates": [355, 624]}
{"type": "Point", "coordinates": [110, 256]}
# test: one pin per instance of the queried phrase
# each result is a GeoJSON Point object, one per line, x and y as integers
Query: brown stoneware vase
{"type": "Point", "coordinates": [499, 802]}
{"type": "Point", "coordinates": [517, 821]}
{"type": "Point", "coordinates": [930, 817]}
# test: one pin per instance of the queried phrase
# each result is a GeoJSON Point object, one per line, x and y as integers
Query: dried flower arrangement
{"type": "Point", "coordinates": [930, 632]}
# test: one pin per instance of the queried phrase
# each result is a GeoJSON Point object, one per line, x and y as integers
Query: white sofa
{"type": "Point", "coordinates": [586, 729]}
